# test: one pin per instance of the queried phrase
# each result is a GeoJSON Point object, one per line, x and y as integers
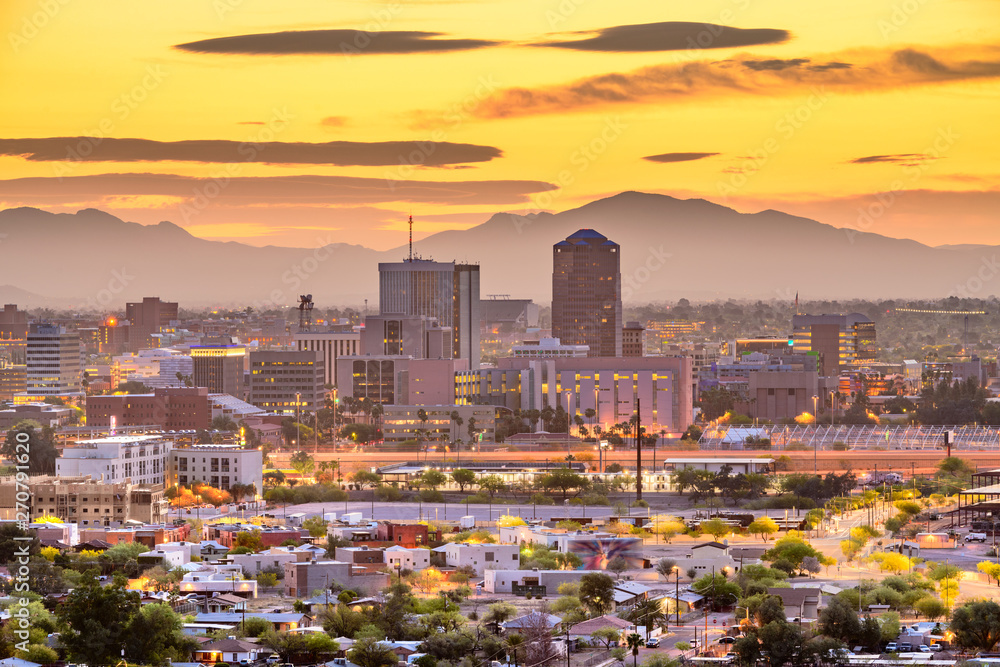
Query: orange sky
{"type": "Point", "coordinates": [867, 114]}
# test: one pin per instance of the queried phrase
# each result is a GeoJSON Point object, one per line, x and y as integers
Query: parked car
{"type": "Point", "coordinates": [905, 647]}
{"type": "Point", "coordinates": [891, 647]}
{"type": "Point", "coordinates": [652, 642]}
{"type": "Point", "coordinates": [727, 640]}
{"type": "Point", "coordinates": [934, 648]}
{"type": "Point", "coordinates": [924, 648]}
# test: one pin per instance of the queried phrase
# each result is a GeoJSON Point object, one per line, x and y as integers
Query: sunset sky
{"type": "Point", "coordinates": [294, 122]}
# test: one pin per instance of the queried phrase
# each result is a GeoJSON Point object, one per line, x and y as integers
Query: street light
{"type": "Point", "coordinates": [298, 401]}
{"type": "Point", "coordinates": [815, 441]}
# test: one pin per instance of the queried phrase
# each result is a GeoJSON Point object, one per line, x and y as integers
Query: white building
{"type": "Point", "coordinates": [224, 405]}
{"type": "Point", "coordinates": [407, 559]}
{"type": "Point", "coordinates": [156, 367]}
{"type": "Point", "coordinates": [218, 579]}
{"type": "Point", "coordinates": [505, 581]}
{"type": "Point", "coordinates": [220, 466]}
{"type": "Point", "coordinates": [140, 459]}
{"type": "Point", "coordinates": [275, 557]}
{"type": "Point", "coordinates": [481, 556]}
{"type": "Point", "coordinates": [333, 345]}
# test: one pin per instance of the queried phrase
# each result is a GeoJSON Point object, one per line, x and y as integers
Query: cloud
{"type": "Point", "coordinates": [677, 157]}
{"type": "Point", "coordinates": [303, 190]}
{"type": "Point", "coordinates": [670, 36]}
{"type": "Point", "coordinates": [905, 159]}
{"type": "Point", "coordinates": [340, 153]}
{"type": "Point", "coordinates": [851, 72]}
{"type": "Point", "coordinates": [334, 121]}
{"type": "Point", "coordinates": [348, 42]}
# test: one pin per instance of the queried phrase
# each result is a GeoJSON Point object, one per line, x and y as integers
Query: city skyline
{"type": "Point", "coordinates": [243, 121]}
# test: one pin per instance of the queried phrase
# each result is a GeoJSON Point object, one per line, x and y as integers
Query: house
{"type": "Point", "coordinates": [630, 593]}
{"type": "Point", "coordinates": [584, 629]}
{"type": "Point", "coordinates": [533, 620]}
{"type": "Point", "coordinates": [218, 579]}
{"type": "Point", "coordinates": [282, 621]}
{"type": "Point", "coordinates": [535, 582]}
{"type": "Point", "coordinates": [229, 650]}
{"type": "Point", "coordinates": [705, 557]}
{"type": "Point", "coordinates": [224, 603]}
{"type": "Point", "coordinates": [362, 555]}
{"type": "Point", "coordinates": [272, 559]}
{"type": "Point", "coordinates": [167, 558]}
{"type": "Point", "coordinates": [800, 603]}
{"type": "Point", "coordinates": [687, 600]}
{"type": "Point", "coordinates": [301, 579]}
{"type": "Point", "coordinates": [403, 534]}
{"type": "Point", "coordinates": [407, 559]}
{"type": "Point", "coordinates": [18, 662]}
{"type": "Point", "coordinates": [212, 548]}
{"type": "Point", "coordinates": [481, 556]}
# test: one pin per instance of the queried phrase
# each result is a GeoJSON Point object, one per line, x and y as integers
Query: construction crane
{"type": "Point", "coordinates": [966, 313]}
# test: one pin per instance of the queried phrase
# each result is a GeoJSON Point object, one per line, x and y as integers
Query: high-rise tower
{"type": "Point", "coordinates": [587, 293]}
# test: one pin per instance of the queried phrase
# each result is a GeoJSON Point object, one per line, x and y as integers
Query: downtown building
{"type": "Point", "coordinates": [333, 344]}
{"type": "Point", "coordinates": [139, 459]}
{"type": "Point", "coordinates": [146, 318]}
{"type": "Point", "coordinates": [841, 341]}
{"type": "Point", "coordinates": [287, 382]}
{"type": "Point", "coordinates": [587, 293]}
{"type": "Point", "coordinates": [170, 409]}
{"type": "Point", "coordinates": [608, 385]}
{"type": "Point", "coordinates": [445, 291]}
{"type": "Point", "coordinates": [219, 466]}
{"type": "Point", "coordinates": [218, 364]}
{"type": "Point", "coordinates": [54, 362]}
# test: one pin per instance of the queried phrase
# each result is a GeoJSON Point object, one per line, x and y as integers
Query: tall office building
{"type": "Point", "coordinates": [587, 293]}
{"type": "Point", "coordinates": [281, 381]}
{"type": "Point", "coordinates": [446, 291]}
{"type": "Point", "coordinates": [13, 334]}
{"type": "Point", "coordinates": [218, 363]}
{"type": "Point", "coordinates": [841, 341]}
{"type": "Point", "coordinates": [146, 318]}
{"type": "Point", "coordinates": [55, 361]}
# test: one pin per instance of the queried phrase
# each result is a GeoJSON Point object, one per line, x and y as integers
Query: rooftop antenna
{"type": "Point", "coordinates": [411, 239]}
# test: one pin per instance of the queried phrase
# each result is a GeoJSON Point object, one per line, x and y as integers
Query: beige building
{"type": "Point", "coordinates": [85, 502]}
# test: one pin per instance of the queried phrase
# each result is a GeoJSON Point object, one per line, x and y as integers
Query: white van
{"type": "Point", "coordinates": [975, 537]}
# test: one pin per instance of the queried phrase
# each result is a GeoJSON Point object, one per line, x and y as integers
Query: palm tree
{"type": "Point", "coordinates": [634, 642]}
{"type": "Point", "coordinates": [514, 643]}
{"type": "Point", "coordinates": [458, 421]}
{"type": "Point", "coordinates": [647, 612]}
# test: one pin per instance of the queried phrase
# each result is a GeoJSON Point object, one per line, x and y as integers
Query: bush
{"type": "Point", "coordinates": [783, 502]}
{"type": "Point", "coordinates": [839, 446]}
{"type": "Point", "coordinates": [540, 499]}
{"type": "Point", "coordinates": [387, 493]}
{"type": "Point", "coordinates": [640, 503]}
{"type": "Point", "coordinates": [431, 496]}
{"type": "Point", "coordinates": [595, 499]}
{"type": "Point", "coordinates": [477, 499]}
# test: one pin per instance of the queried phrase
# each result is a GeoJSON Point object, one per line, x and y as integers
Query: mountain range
{"type": "Point", "coordinates": [670, 248]}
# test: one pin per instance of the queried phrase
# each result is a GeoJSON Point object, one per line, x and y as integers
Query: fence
{"type": "Point", "coordinates": [843, 437]}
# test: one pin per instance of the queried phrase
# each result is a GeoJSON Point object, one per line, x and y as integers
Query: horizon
{"type": "Point", "coordinates": [340, 120]}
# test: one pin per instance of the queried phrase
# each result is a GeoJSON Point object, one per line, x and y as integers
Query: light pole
{"type": "Point", "coordinates": [815, 442]}
{"type": "Point", "coordinates": [677, 593]}
{"type": "Point", "coordinates": [298, 400]}
{"type": "Point", "coordinates": [569, 423]}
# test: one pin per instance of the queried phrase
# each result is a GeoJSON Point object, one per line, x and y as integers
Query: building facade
{"type": "Point", "coordinates": [445, 291]}
{"type": "Point", "coordinates": [140, 459]}
{"type": "Point", "coordinates": [219, 466]}
{"type": "Point", "coordinates": [218, 364]}
{"type": "Point", "coordinates": [633, 340]}
{"type": "Point", "coordinates": [587, 293]}
{"type": "Point", "coordinates": [401, 423]}
{"type": "Point", "coordinates": [333, 345]}
{"type": "Point", "coordinates": [146, 317]}
{"type": "Point", "coordinates": [286, 381]}
{"type": "Point", "coordinates": [86, 502]}
{"type": "Point", "coordinates": [171, 409]}
{"type": "Point", "coordinates": [55, 361]}
{"type": "Point", "coordinates": [842, 341]}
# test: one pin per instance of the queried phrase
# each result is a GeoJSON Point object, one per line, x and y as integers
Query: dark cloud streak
{"type": "Point", "coordinates": [677, 157]}
{"type": "Point", "coordinates": [339, 153]}
{"type": "Point", "coordinates": [671, 36]}
{"type": "Point", "coordinates": [319, 42]}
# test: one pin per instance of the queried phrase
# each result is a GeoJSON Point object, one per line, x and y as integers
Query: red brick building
{"type": "Point", "coordinates": [172, 409]}
{"type": "Point", "coordinates": [409, 535]}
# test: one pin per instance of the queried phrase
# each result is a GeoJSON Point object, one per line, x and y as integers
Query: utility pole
{"type": "Point", "coordinates": [638, 451]}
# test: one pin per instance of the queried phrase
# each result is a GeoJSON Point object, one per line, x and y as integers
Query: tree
{"type": "Point", "coordinates": [634, 642]}
{"type": "Point", "coordinates": [597, 592]}
{"type": "Point", "coordinates": [97, 619]}
{"type": "Point", "coordinates": [155, 634]}
{"type": "Point", "coordinates": [370, 652]}
{"type": "Point", "coordinates": [840, 621]}
{"type": "Point", "coordinates": [250, 539]}
{"type": "Point", "coordinates": [28, 443]}
{"type": "Point", "coordinates": [302, 462]}
{"type": "Point", "coordinates": [618, 565]}
{"type": "Point", "coordinates": [564, 480]}
{"type": "Point", "coordinates": [665, 567]}
{"type": "Point", "coordinates": [463, 478]}
{"type": "Point", "coordinates": [648, 613]}
{"type": "Point", "coordinates": [977, 625]}
{"type": "Point", "coordinates": [930, 608]}
{"type": "Point", "coordinates": [492, 484]}
{"type": "Point", "coordinates": [432, 479]}
{"type": "Point", "coordinates": [316, 525]}
{"type": "Point", "coordinates": [365, 479]}
{"type": "Point", "coordinates": [607, 636]}
{"type": "Point", "coordinates": [764, 526]}
{"type": "Point", "coordinates": [716, 528]}
{"type": "Point", "coordinates": [428, 579]}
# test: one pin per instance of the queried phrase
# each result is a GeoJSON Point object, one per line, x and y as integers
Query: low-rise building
{"type": "Point", "coordinates": [301, 579]}
{"type": "Point", "coordinates": [481, 556]}
{"type": "Point", "coordinates": [82, 500]}
{"type": "Point", "coordinates": [43, 413]}
{"type": "Point", "coordinates": [171, 409]}
{"type": "Point", "coordinates": [536, 582]}
{"type": "Point", "coordinates": [220, 466]}
{"type": "Point", "coordinates": [226, 533]}
{"type": "Point", "coordinates": [139, 459]}
{"type": "Point", "coordinates": [272, 559]}
{"type": "Point", "coordinates": [218, 579]}
{"type": "Point", "coordinates": [414, 559]}
{"type": "Point", "coordinates": [403, 534]}
{"type": "Point", "coordinates": [362, 555]}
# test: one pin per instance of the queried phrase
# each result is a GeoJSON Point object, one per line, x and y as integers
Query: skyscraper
{"type": "Point", "coordinates": [446, 291]}
{"type": "Point", "coordinates": [146, 318]}
{"type": "Point", "coordinates": [841, 341]}
{"type": "Point", "coordinates": [587, 293]}
{"type": "Point", "coordinates": [218, 364]}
